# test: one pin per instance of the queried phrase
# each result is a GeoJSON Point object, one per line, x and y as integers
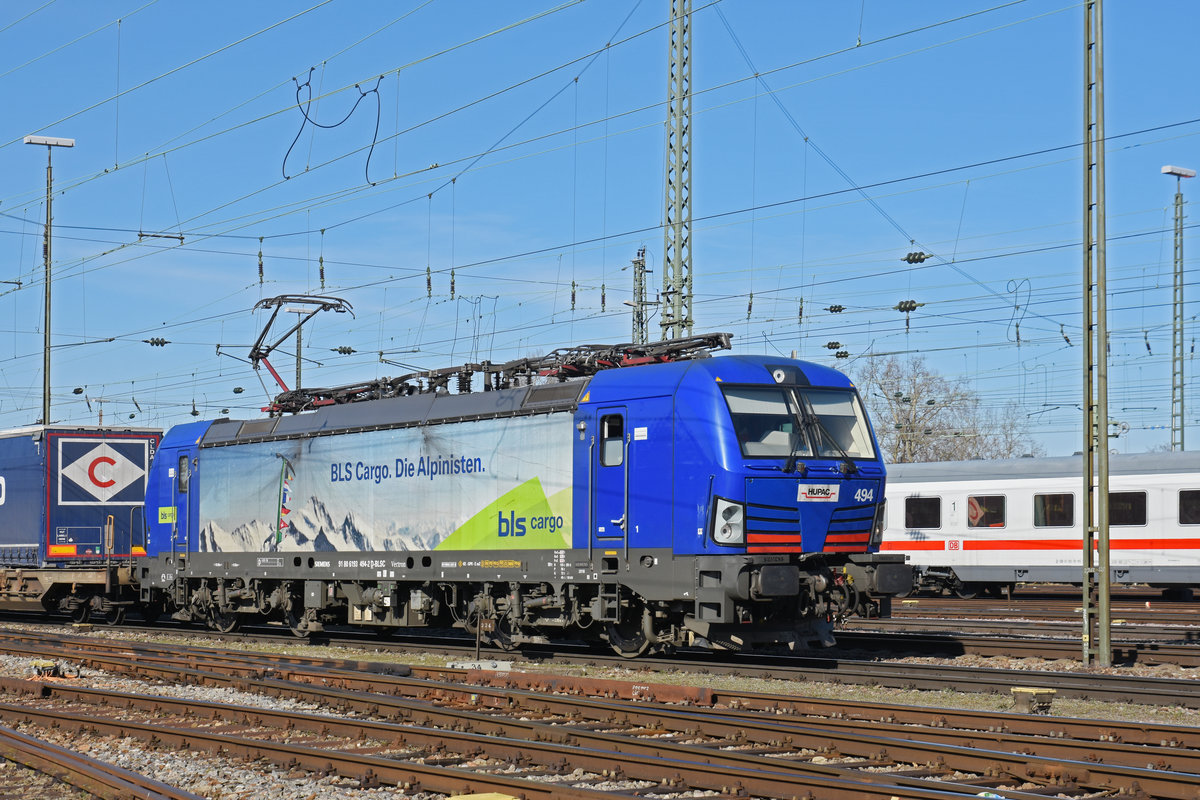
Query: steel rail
{"type": "Point", "coordinates": [658, 763]}
{"type": "Point", "coordinates": [86, 774]}
{"type": "Point", "coordinates": [1067, 762]}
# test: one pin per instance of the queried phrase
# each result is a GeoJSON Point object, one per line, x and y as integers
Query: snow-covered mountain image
{"type": "Point", "coordinates": [463, 486]}
{"type": "Point", "coordinates": [312, 528]}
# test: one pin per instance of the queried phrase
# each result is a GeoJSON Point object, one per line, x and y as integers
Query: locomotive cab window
{"type": "Point", "coordinates": [1053, 510]}
{"type": "Point", "coordinates": [841, 426]}
{"type": "Point", "coordinates": [612, 440]}
{"type": "Point", "coordinates": [184, 474]}
{"type": "Point", "coordinates": [922, 512]}
{"type": "Point", "coordinates": [1189, 507]}
{"type": "Point", "coordinates": [985, 511]}
{"type": "Point", "coordinates": [1126, 508]}
{"type": "Point", "coordinates": [764, 420]}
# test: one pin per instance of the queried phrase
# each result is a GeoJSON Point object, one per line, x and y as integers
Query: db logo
{"type": "Point", "coordinates": [954, 544]}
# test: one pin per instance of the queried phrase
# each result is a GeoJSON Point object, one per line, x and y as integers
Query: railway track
{"type": "Point", "coordinates": [85, 777]}
{"type": "Point", "coordinates": [1126, 613]}
{"type": "Point", "coordinates": [454, 729]}
{"type": "Point", "coordinates": [896, 644]}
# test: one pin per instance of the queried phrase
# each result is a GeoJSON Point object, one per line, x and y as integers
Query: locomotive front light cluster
{"type": "Point", "coordinates": [729, 523]}
{"type": "Point", "coordinates": [879, 525]}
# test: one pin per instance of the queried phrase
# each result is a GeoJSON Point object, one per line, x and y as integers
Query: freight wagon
{"type": "Point", "coordinates": [71, 522]}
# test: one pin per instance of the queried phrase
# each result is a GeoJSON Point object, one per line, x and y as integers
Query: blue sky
{"type": "Point", "coordinates": [506, 142]}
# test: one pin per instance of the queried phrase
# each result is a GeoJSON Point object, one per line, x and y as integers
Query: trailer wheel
{"type": "Point", "coordinates": [81, 613]}
{"type": "Point", "coordinates": [115, 615]}
{"type": "Point", "coordinates": [966, 591]}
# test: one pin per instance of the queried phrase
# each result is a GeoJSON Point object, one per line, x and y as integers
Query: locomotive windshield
{"type": "Point", "coordinates": [784, 422]}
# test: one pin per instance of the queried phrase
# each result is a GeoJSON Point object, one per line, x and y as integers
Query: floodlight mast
{"type": "Point", "coordinates": [50, 142]}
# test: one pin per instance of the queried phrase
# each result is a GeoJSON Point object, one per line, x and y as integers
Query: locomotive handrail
{"type": "Point", "coordinates": [591, 495]}
{"type": "Point", "coordinates": [625, 511]}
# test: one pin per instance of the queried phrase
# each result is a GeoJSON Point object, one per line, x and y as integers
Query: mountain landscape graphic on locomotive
{"type": "Point", "coordinates": [979, 526]}
{"type": "Point", "coordinates": [651, 496]}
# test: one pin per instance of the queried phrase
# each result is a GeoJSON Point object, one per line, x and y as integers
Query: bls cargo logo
{"type": "Point", "coordinates": [94, 472]}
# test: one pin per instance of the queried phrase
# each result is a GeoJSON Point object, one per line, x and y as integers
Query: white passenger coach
{"type": "Point", "coordinates": [974, 527]}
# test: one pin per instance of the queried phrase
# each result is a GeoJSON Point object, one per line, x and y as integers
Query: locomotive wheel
{"type": "Point", "coordinates": [224, 622]}
{"type": "Point", "coordinates": [630, 637]}
{"type": "Point", "coordinates": [297, 621]}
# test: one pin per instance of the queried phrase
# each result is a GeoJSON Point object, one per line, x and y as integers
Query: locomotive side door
{"type": "Point", "coordinates": [610, 478]}
{"type": "Point", "coordinates": [181, 488]}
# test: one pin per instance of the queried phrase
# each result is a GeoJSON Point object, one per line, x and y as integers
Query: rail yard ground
{"type": "Point", "coordinates": [212, 773]}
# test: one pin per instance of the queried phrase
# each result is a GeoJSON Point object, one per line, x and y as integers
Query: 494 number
{"type": "Point", "coordinates": [864, 496]}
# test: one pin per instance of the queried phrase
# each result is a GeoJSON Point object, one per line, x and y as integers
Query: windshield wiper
{"type": "Point", "coordinates": [811, 420]}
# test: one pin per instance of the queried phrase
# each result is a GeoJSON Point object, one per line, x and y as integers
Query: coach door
{"type": "Point", "coordinates": [610, 478]}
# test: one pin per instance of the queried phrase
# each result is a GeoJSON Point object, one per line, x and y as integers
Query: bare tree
{"type": "Point", "coordinates": [921, 416]}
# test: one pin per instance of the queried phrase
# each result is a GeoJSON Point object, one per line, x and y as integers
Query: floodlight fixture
{"type": "Point", "coordinates": [1178, 172]}
{"type": "Point", "coordinates": [50, 141]}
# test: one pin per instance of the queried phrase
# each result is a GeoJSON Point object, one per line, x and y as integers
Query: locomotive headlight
{"type": "Point", "coordinates": [729, 526]}
{"type": "Point", "coordinates": [879, 524]}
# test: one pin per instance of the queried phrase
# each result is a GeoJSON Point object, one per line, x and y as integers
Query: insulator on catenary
{"type": "Point", "coordinates": [260, 266]}
{"type": "Point", "coordinates": [835, 309]}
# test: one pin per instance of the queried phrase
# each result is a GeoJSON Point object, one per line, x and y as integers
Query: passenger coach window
{"type": "Point", "coordinates": [922, 512]}
{"type": "Point", "coordinates": [612, 440]}
{"type": "Point", "coordinates": [1053, 510]}
{"type": "Point", "coordinates": [183, 474]}
{"type": "Point", "coordinates": [1189, 507]}
{"type": "Point", "coordinates": [1126, 508]}
{"type": "Point", "coordinates": [985, 511]}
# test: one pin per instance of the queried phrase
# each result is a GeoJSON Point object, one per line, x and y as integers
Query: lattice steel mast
{"type": "Point", "coordinates": [1097, 641]}
{"type": "Point", "coordinates": [677, 249]}
{"type": "Point", "coordinates": [1177, 310]}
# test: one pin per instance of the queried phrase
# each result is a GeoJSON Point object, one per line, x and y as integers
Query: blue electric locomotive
{"type": "Point", "coordinates": [650, 496]}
